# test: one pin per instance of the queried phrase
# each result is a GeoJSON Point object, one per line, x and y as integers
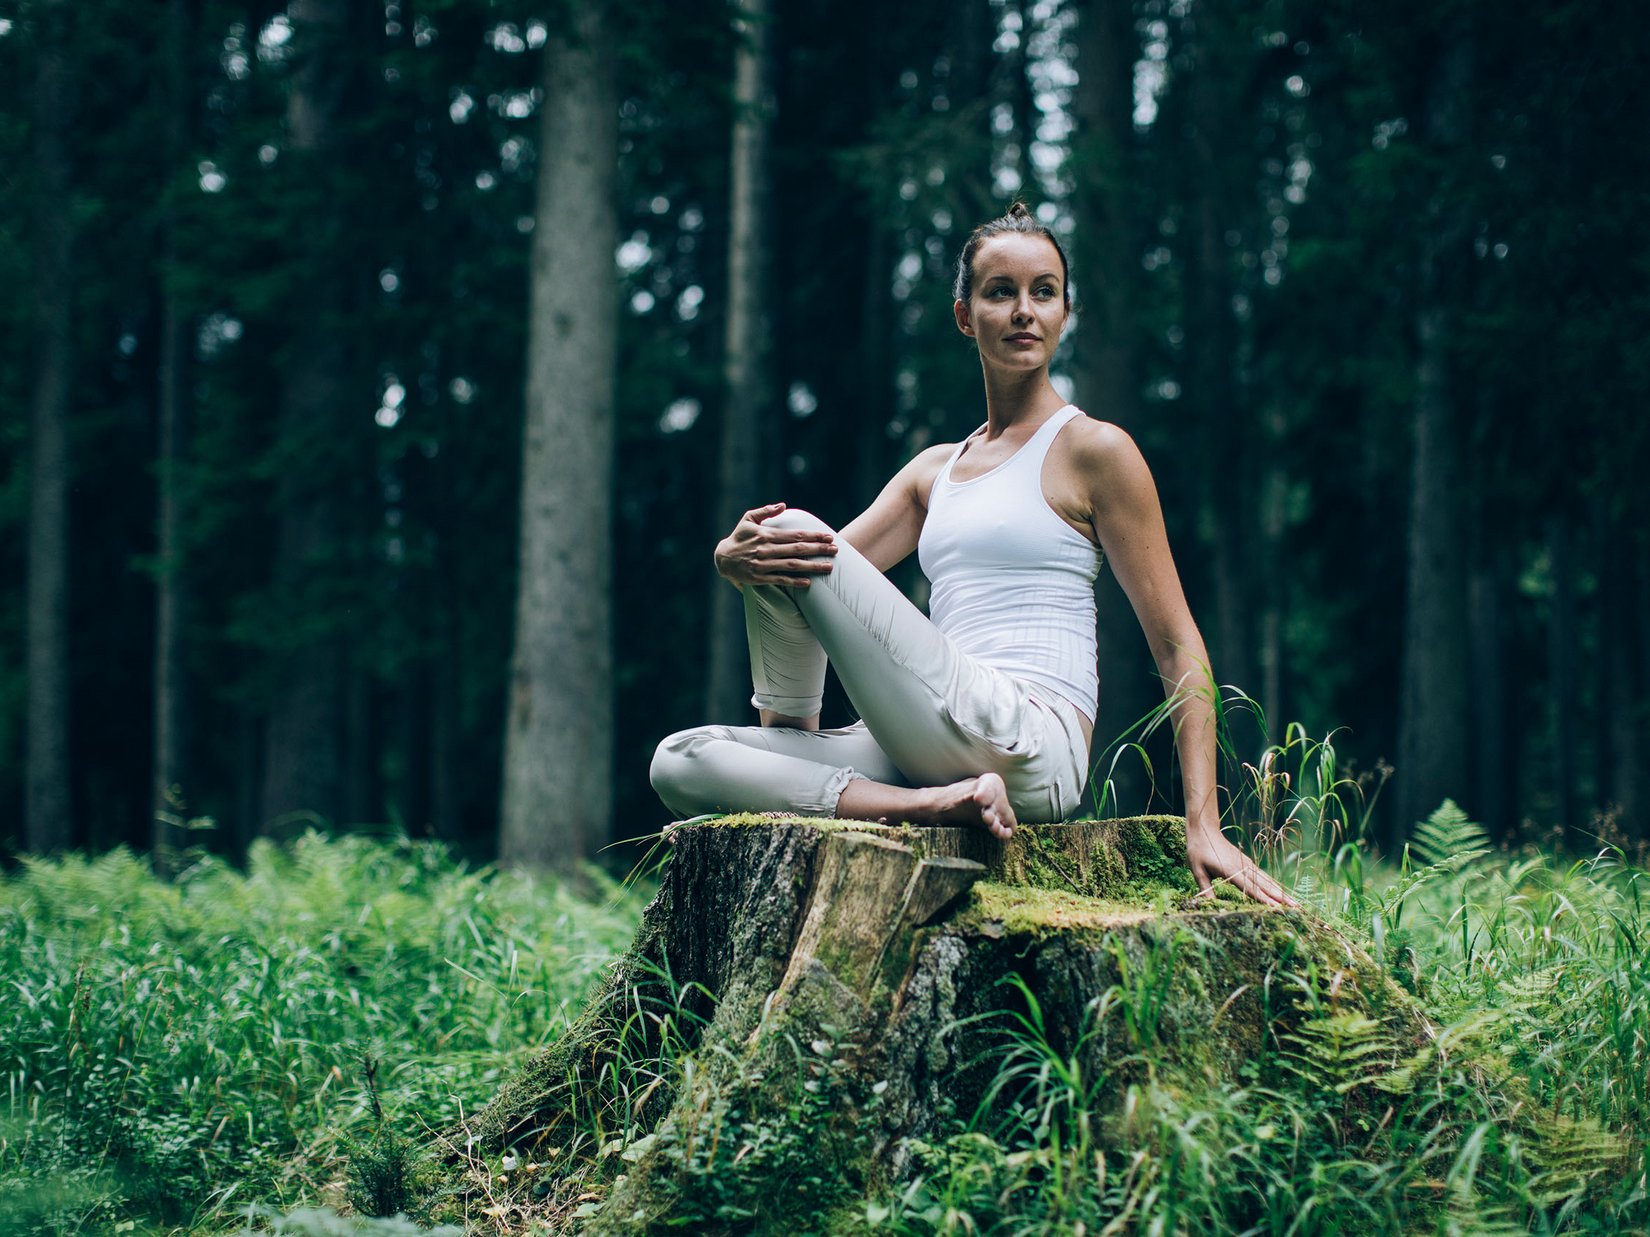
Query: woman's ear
{"type": "Point", "coordinates": [959, 310]}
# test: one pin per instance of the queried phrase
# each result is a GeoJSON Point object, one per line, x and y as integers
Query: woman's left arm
{"type": "Point", "coordinates": [1128, 520]}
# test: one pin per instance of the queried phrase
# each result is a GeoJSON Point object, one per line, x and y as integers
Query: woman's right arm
{"type": "Point", "coordinates": [887, 531]}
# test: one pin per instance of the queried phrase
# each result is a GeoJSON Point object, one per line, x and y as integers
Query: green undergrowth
{"type": "Point", "coordinates": [1522, 1108]}
{"type": "Point", "coordinates": [171, 1053]}
{"type": "Point", "coordinates": [1428, 1071]}
{"type": "Point", "coordinates": [289, 1037]}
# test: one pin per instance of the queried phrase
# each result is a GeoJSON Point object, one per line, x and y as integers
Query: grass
{"type": "Point", "coordinates": [171, 1053]}
{"type": "Point", "coordinates": [287, 1037]}
{"type": "Point", "coordinates": [1526, 1113]}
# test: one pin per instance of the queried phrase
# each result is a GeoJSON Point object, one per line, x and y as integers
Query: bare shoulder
{"type": "Point", "coordinates": [1106, 455]}
{"type": "Point", "coordinates": [1097, 443]}
{"type": "Point", "coordinates": [923, 467]}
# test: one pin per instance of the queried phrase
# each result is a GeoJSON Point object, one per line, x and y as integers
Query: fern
{"type": "Point", "coordinates": [1340, 1052]}
{"type": "Point", "coordinates": [1449, 839]}
{"type": "Point", "coordinates": [1446, 842]}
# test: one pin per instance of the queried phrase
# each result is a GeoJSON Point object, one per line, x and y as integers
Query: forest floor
{"type": "Point", "coordinates": [271, 1050]}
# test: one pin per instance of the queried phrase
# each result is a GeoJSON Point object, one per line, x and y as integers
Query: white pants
{"type": "Point", "coordinates": [930, 715]}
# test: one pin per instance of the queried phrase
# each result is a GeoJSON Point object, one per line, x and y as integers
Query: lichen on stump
{"type": "Point", "coordinates": [848, 978]}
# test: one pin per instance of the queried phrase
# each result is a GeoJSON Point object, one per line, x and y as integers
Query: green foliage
{"type": "Point", "coordinates": [759, 1155]}
{"type": "Point", "coordinates": [324, 1222]}
{"type": "Point", "coordinates": [385, 1177]}
{"type": "Point", "coordinates": [388, 1174]}
{"type": "Point", "coordinates": [176, 1053]}
{"type": "Point", "coordinates": [1522, 1110]}
{"type": "Point", "coordinates": [172, 1052]}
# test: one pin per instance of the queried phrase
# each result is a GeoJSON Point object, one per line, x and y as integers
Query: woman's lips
{"type": "Point", "coordinates": [1022, 338]}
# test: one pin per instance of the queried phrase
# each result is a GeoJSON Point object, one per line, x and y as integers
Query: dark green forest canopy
{"type": "Point", "coordinates": [1366, 281]}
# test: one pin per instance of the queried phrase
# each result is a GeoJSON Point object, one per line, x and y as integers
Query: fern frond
{"type": "Point", "coordinates": [1340, 1052]}
{"type": "Point", "coordinates": [1449, 838]}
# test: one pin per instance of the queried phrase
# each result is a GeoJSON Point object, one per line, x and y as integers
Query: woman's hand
{"type": "Point", "coordinates": [754, 554]}
{"type": "Point", "coordinates": [1213, 858]}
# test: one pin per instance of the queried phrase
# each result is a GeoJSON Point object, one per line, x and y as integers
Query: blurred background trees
{"type": "Point", "coordinates": [284, 285]}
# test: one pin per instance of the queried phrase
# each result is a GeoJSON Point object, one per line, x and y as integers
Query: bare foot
{"type": "Point", "coordinates": [979, 801]}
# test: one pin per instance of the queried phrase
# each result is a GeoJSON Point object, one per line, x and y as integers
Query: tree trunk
{"type": "Point", "coordinates": [443, 723]}
{"type": "Point", "coordinates": [867, 966]}
{"type": "Point", "coordinates": [1635, 746]}
{"type": "Point", "coordinates": [873, 464]}
{"type": "Point", "coordinates": [168, 772]}
{"type": "Point", "coordinates": [749, 410]}
{"type": "Point", "coordinates": [1274, 495]}
{"type": "Point", "coordinates": [1433, 720]}
{"type": "Point", "coordinates": [1491, 760]}
{"type": "Point", "coordinates": [302, 775]}
{"type": "Point", "coordinates": [1562, 713]}
{"type": "Point", "coordinates": [1017, 67]}
{"type": "Point", "coordinates": [1212, 341]}
{"type": "Point", "coordinates": [48, 809]}
{"type": "Point", "coordinates": [361, 799]}
{"type": "Point", "coordinates": [1622, 708]}
{"type": "Point", "coordinates": [1106, 359]}
{"type": "Point", "coordinates": [558, 755]}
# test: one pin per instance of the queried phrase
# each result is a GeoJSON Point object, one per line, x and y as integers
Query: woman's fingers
{"type": "Point", "coordinates": [794, 548]}
{"type": "Point", "coordinates": [1224, 862]}
{"type": "Point", "coordinates": [796, 561]}
{"type": "Point", "coordinates": [800, 541]}
{"type": "Point", "coordinates": [812, 556]}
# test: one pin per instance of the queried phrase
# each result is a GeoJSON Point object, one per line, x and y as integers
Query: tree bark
{"type": "Point", "coordinates": [48, 808]}
{"type": "Point", "coordinates": [558, 756]}
{"type": "Point", "coordinates": [1017, 69]}
{"type": "Point", "coordinates": [1212, 339]}
{"type": "Point", "coordinates": [1618, 680]}
{"type": "Point", "coordinates": [1106, 359]}
{"type": "Point", "coordinates": [1562, 714]}
{"type": "Point", "coordinates": [868, 963]}
{"type": "Point", "coordinates": [170, 701]}
{"type": "Point", "coordinates": [749, 410]}
{"type": "Point", "coordinates": [360, 798]}
{"type": "Point", "coordinates": [1274, 495]}
{"type": "Point", "coordinates": [1491, 760]}
{"type": "Point", "coordinates": [302, 737]}
{"type": "Point", "coordinates": [1634, 747]}
{"type": "Point", "coordinates": [1433, 737]}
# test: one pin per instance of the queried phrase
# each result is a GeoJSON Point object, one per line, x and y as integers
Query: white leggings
{"type": "Point", "coordinates": [930, 714]}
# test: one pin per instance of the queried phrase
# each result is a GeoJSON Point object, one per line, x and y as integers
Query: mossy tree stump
{"type": "Point", "coordinates": [851, 979]}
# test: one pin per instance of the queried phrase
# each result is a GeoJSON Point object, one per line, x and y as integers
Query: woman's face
{"type": "Point", "coordinates": [1017, 306]}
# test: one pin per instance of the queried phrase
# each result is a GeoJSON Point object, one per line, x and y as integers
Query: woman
{"type": "Point", "coordinates": [982, 714]}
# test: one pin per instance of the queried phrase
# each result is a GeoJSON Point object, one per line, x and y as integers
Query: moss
{"type": "Point", "coordinates": [1145, 855]}
{"type": "Point", "coordinates": [1026, 910]}
{"type": "Point", "coordinates": [767, 820]}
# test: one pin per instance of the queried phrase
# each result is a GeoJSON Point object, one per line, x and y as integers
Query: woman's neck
{"type": "Point", "coordinates": [1017, 399]}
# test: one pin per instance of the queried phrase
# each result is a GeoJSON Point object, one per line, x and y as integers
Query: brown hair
{"type": "Point", "coordinates": [1018, 220]}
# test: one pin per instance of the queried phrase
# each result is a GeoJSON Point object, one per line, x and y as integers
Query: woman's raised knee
{"type": "Point", "coordinates": [796, 520]}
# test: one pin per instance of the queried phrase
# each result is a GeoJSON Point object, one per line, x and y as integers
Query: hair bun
{"type": "Point", "coordinates": [1018, 210]}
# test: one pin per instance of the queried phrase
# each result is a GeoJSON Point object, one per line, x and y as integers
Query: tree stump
{"type": "Point", "coordinates": [851, 979]}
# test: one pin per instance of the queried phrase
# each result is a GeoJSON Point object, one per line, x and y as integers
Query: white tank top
{"type": "Point", "coordinates": [1011, 582]}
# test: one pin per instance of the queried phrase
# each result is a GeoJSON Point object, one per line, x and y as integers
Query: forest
{"type": "Point", "coordinates": [375, 381]}
{"type": "Point", "coordinates": [312, 515]}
